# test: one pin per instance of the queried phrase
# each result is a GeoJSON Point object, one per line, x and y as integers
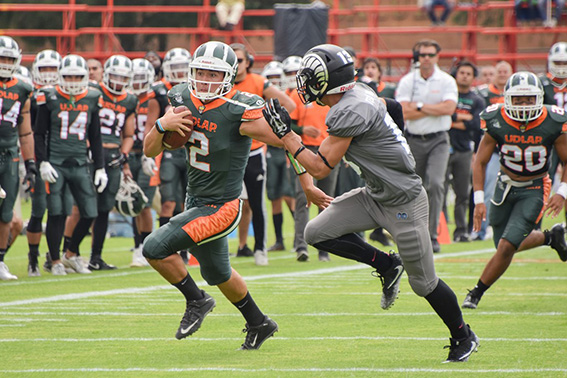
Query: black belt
{"type": "Point", "coordinates": [425, 136]}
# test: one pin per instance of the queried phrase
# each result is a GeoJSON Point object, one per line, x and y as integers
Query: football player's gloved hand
{"type": "Point", "coordinates": [31, 173]}
{"type": "Point", "coordinates": [100, 180]}
{"type": "Point", "coordinates": [2, 195]}
{"type": "Point", "coordinates": [149, 166]}
{"type": "Point", "coordinates": [118, 161]}
{"type": "Point", "coordinates": [47, 172]}
{"type": "Point", "coordinates": [277, 117]}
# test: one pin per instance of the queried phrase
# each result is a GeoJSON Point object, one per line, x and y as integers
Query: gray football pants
{"type": "Point", "coordinates": [356, 211]}
{"type": "Point", "coordinates": [431, 159]}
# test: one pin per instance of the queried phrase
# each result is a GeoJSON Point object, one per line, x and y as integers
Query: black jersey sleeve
{"type": "Point", "coordinates": [395, 110]}
{"type": "Point", "coordinates": [95, 140]}
{"type": "Point", "coordinates": [41, 128]}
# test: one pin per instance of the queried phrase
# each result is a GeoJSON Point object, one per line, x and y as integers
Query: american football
{"type": "Point", "coordinates": [172, 140]}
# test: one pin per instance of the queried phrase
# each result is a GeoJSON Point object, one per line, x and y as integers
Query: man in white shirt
{"type": "Point", "coordinates": [429, 97]}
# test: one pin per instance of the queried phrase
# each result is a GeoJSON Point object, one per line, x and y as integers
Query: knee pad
{"type": "Point", "coordinates": [215, 277]}
{"type": "Point", "coordinates": [34, 225]}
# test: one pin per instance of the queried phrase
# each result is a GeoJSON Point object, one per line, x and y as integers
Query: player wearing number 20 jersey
{"type": "Point", "coordinates": [524, 131]}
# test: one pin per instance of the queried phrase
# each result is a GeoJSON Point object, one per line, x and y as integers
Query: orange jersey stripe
{"type": "Point", "coordinates": [546, 192]}
{"type": "Point", "coordinates": [205, 227]}
{"type": "Point", "coordinates": [154, 180]}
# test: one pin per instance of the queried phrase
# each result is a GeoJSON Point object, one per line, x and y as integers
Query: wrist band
{"type": "Point", "coordinates": [562, 190]}
{"type": "Point", "coordinates": [479, 196]}
{"type": "Point", "coordinates": [299, 150]}
{"type": "Point", "coordinates": [297, 167]}
{"type": "Point", "coordinates": [159, 127]}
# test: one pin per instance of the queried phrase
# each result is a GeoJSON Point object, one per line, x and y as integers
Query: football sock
{"type": "Point", "coordinates": [189, 288]}
{"type": "Point", "coordinates": [353, 247]}
{"type": "Point", "coordinates": [278, 222]}
{"type": "Point", "coordinates": [546, 237]}
{"type": "Point", "coordinates": [66, 241]}
{"type": "Point", "coordinates": [54, 234]}
{"type": "Point", "coordinates": [163, 220]}
{"type": "Point", "coordinates": [250, 310]}
{"type": "Point", "coordinates": [143, 236]}
{"type": "Point", "coordinates": [100, 227]}
{"type": "Point", "coordinates": [2, 254]}
{"type": "Point", "coordinates": [79, 233]}
{"type": "Point", "coordinates": [444, 302]}
{"type": "Point", "coordinates": [481, 288]}
{"type": "Point", "coordinates": [137, 237]}
{"type": "Point", "coordinates": [33, 254]}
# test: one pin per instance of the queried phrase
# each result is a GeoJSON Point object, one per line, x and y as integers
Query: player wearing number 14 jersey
{"type": "Point", "coordinates": [67, 124]}
{"type": "Point", "coordinates": [217, 155]}
{"type": "Point", "coordinates": [524, 131]}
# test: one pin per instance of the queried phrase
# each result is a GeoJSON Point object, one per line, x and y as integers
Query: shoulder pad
{"type": "Point", "coordinates": [249, 99]}
{"type": "Point", "coordinates": [491, 111]}
{"type": "Point", "coordinates": [178, 94]}
{"type": "Point", "coordinates": [94, 84]}
{"type": "Point", "coordinates": [544, 80]}
{"type": "Point", "coordinates": [556, 113]}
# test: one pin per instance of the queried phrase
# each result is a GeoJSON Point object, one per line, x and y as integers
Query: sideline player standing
{"type": "Point", "coordinates": [217, 154]}
{"type": "Point", "coordinates": [524, 131]}
{"type": "Point", "coordinates": [361, 130]}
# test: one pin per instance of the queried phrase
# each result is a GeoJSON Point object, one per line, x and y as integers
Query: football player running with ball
{"type": "Point", "coordinates": [217, 154]}
{"type": "Point", "coordinates": [361, 130]}
{"type": "Point", "coordinates": [524, 130]}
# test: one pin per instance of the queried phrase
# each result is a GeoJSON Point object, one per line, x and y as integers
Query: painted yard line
{"type": "Point", "coordinates": [290, 370]}
{"type": "Point", "coordinates": [316, 314]}
{"type": "Point", "coordinates": [201, 283]}
{"type": "Point", "coordinates": [311, 338]}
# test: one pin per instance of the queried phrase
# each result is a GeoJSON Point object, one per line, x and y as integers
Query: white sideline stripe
{"type": "Point", "coordinates": [90, 294]}
{"type": "Point", "coordinates": [312, 338]}
{"type": "Point", "coordinates": [316, 314]}
{"type": "Point", "coordinates": [289, 370]}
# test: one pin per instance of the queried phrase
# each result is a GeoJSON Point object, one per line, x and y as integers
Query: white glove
{"type": "Point", "coordinates": [47, 172]}
{"type": "Point", "coordinates": [149, 166]}
{"type": "Point", "coordinates": [100, 180]}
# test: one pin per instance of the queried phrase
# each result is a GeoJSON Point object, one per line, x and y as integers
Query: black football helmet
{"type": "Point", "coordinates": [130, 199]}
{"type": "Point", "coordinates": [325, 69]}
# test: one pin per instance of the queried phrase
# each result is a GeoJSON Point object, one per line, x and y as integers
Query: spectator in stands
{"type": "Point", "coordinates": [529, 12]}
{"type": "Point", "coordinates": [95, 70]}
{"type": "Point", "coordinates": [429, 98]}
{"type": "Point", "coordinates": [464, 128]}
{"type": "Point", "coordinates": [555, 19]}
{"type": "Point", "coordinates": [447, 6]}
{"type": "Point", "coordinates": [229, 13]}
{"type": "Point", "coordinates": [487, 74]}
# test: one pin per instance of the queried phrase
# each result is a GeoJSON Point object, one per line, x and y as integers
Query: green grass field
{"type": "Point", "coordinates": [122, 323]}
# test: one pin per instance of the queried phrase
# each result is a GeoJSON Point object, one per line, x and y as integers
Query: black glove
{"type": "Point", "coordinates": [31, 172]}
{"type": "Point", "coordinates": [277, 117]}
{"type": "Point", "coordinates": [118, 161]}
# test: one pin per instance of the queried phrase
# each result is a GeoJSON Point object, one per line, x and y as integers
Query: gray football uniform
{"type": "Point", "coordinates": [393, 197]}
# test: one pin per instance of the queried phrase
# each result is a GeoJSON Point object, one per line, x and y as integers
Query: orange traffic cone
{"type": "Point", "coordinates": [193, 261]}
{"type": "Point", "coordinates": [443, 236]}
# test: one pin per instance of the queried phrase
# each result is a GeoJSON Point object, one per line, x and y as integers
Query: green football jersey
{"type": "Point", "coordinates": [524, 149]}
{"type": "Point", "coordinates": [141, 118]}
{"type": "Point", "coordinates": [217, 153]}
{"type": "Point", "coordinates": [490, 94]}
{"type": "Point", "coordinates": [13, 95]}
{"type": "Point", "coordinates": [115, 111]}
{"type": "Point", "coordinates": [160, 89]}
{"type": "Point", "coordinates": [553, 94]}
{"type": "Point", "coordinates": [386, 90]}
{"type": "Point", "coordinates": [70, 119]}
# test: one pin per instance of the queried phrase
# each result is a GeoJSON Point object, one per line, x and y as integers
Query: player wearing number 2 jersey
{"type": "Point", "coordinates": [524, 131]}
{"type": "Point", "coordinates": [217, 155]}
{"type": "Point", "coordinates": [67, 123]}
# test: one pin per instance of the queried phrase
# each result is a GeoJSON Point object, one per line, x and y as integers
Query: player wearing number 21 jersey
{"type": "Point", "coordinates": [217, 152]}
{"type": "Point", "coordinates": [524, 132]}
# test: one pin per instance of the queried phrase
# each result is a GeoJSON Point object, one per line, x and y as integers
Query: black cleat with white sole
{"type": "Point", "coordinates": [255, 336]}
{"type": "Point", "coordinates": [390, 281]}
{"type": "Point", "coordinates": [557, 233]}
{"type": "Point", "coordinates": [100, 264]}
{"type": "Point", "coordinates": [460, 350]}
{"type": "Point", "coordinates": [194, 315]}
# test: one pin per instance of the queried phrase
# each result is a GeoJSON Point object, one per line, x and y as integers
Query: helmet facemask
{"type": "Point", "coordinates": [523, 84]}
{"type": "Point", "coordinates": [73, 66]}
{"type": "Point", "coordinates": [12, 56]}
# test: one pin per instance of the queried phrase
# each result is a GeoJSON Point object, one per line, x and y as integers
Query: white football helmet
{"type": "Point", "coordinates": [274, 72]}
{"type": "Point", "coordinates": [291, 65]}
{"type": "Point", "coordinates": [45, 68]}
{"type": "Point", "coordinates": [522, 84]}
{"type": "Point", "coordinates": [130, 198]}
{"type": "Point", "coordinates": [213, 56]}
{"type": "Point", "coordinates": [176, 65]}
{"type": "Point", "coordinates": [24, 75]}
{"type": "Point", "coordinates": [557, 60]}
{"type": "Point", "coordinates": [143, 76]}
{"type": "Point", "coordinates": [117, 74]}
{"type": "Point", "coordinates": [73, 65]}
{"type": "Point", "coordinates": [9, 49]}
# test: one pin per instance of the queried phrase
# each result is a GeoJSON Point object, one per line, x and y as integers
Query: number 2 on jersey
{"type": "Point", "coordinates": [203, 150]}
